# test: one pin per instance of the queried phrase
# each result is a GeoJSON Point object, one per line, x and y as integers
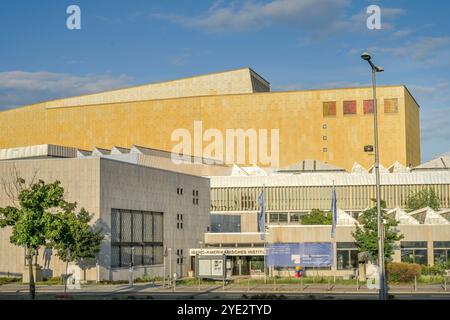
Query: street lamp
{"type": "Point", "coordinates": [383, 287]}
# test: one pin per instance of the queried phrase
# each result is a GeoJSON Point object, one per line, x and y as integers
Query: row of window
{"type": "Point", "coordinates": [411, 252]}
{"type": "Point", "coordinates": [195, 196]}
{"type": "Point", "coordinates": [350, 107]}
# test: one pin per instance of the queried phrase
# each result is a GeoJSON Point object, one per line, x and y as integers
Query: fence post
{"type": "Point", "coordinates": [248, 285]}
{"type": "Point", "coordinates": [415, 283]}
{"type": "Point", "coordinates": [301, 283]}
{"type": "Point", "coordinates": [445, 283]}
{"type": "Point", "coordinates": [274, 283]}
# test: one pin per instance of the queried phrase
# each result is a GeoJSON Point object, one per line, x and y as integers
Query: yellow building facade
{"type": "Point", "coordinates": [330, 125]}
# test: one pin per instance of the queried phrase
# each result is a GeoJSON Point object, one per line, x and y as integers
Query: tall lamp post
{"type": "Point", "coordinates": [383, 287]}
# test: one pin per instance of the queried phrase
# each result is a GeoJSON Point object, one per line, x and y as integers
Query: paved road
{"type": "Point", "coordinates": [292, 291]}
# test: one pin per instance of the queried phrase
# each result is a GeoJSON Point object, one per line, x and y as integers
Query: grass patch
{"type": "Point", "coordinates": [50, 281]}
{"type": "Point", "coordinates": [6, 280]}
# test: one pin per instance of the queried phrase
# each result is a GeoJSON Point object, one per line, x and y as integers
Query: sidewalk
{"type": "Point", "coordinates": [148, 288]}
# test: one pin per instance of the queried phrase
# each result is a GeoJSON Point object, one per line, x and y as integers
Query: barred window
{"type": "Point", "coordinates": [136, 237]}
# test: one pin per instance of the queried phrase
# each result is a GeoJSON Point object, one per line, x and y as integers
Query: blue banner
{"type": "Point", "coordinates": [309, 254]}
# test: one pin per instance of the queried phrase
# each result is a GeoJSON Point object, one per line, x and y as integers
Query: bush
{"type": "Point", "coordinates": [436, 270]}
{"type": "Point", "coordinates": [402, 272]}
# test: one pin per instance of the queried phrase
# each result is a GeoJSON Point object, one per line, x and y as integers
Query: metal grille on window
{"type": "Point", "coordinates": [148, 227]}
{"type": "Point", "coordinates": [158, 227]}
{"type": "Point", "coordinates": [137, 259]}
{"type": "Point", "coordinates": [148, 255]}
{"type": "Point", "coordinates": [137, 227]}
{"type": "Point", "coordinates": [126, 226]}
{"type": "Point", "coordinates": [115, 256]}
{"type": "Point", "coordinates": [115, 226]}
{"type": "Point", "coordinates": [125, 255]}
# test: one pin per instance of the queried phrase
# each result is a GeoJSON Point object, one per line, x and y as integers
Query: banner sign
{"type": "Point", "coordinates": [310, 254]}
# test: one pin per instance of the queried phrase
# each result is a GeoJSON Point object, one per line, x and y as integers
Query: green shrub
{"type": "Point", "coordinates": [436, 270]}
{"type": "Point", "coordinates": [402, 272]}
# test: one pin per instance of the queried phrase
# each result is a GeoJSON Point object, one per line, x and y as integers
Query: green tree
{"type": "Point", "coordinates": [423, 198]}
{"type": "Point", "coordinates": [30, 218]}
{"type": "Point", "coordinates": [72, 237]}
{"type": "Point", "coordinates": [318, 217]}
{"type": "Point", "coordinates": [41, 216]}
{"type": "Point", "coordinates": [366, 237]}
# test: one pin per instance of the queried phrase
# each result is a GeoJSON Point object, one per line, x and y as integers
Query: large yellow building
{"type": "Point", "coordinates": [330, 125]}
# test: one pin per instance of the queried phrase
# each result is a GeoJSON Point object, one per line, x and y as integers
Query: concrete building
{"type": "Point", "coordinates": [327, 125]}
{"type": "Point", "coordinates": [294, 191]}
{"type": "Point", "coordinates": [141, 209]}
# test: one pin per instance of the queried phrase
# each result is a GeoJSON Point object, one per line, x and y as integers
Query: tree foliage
{"type": "Point", "coordinates": [42, 217]}
{"type": "Point", "coordinates": [366, 237]}
{"type": "Point", "coordinates": [318, 217]}
{"type": "Point", "coordinates": [423, 198]}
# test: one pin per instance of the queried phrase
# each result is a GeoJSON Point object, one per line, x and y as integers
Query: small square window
{"type": "Point", "coordinates": [324, 138]}
{"type": "Point", "coordinates": [324, 126]}
{"type": "Point", "coordinates": [350, 107]}
{"type": "Point", "coordinates": [391, 105]}
{"type": "Point", "coordinates": [368, 106]}
{"type": "Point", "coordinates": [325, 149]}
{"type": "Point", "coordinates": [329, 108]}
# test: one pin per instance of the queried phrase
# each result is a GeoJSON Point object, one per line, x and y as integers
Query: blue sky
{"type": "Point", "coordinates": [295, 44]}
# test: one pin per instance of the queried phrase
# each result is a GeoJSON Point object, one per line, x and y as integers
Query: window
{"type": "Point", "coordinates": [325, 149]}
{"type": "Point", "coordinates": [391, 105]}
{"type": "Point", "coordinates": [324, 138]}
{"type": "Point", "coordinates": [347, 255]}
{"type": "Point", "coordinates": [295, 217]}
{"type": "Point", "coordinates": [441, 252]}
{"type": "Point", "coordinates": [179, 221]}
{"type": "Point", "coordinates": [281, 217]}
{"type": "Point", "coordinates": [195, 197]}
{"type": "Point", "coordinates": [225, 223]}
{"type": "Point", "coordinates": [368, 106]}
{"type": "Point", "coordinates": [180, 191]}
{"type": "Point", "coordinates": [180, 256]}
{"type": "Point", "coordinates": [329, 108]}
{"type": "Point", "coordinates": [350, 107]}
{"type": "Point", "coordinates": [414, 252]}
{"type": "Point", "coordinates": [136, 237]}
{"type": "Point", "coordinates": [324, 126]}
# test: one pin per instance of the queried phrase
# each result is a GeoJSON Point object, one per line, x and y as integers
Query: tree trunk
{"type": "Point", "coordinates": [31, 275]}
{"type": "Point", "coordinates": [65, 282]}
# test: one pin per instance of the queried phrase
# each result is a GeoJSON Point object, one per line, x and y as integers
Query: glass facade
{"type": "Point", "coordinates": [136, 236]}
{"type": "Point", "coordinates": [225, 223]}
{"type": "Point", "coordinates": [347, 255]}
{"type": "Point", "coordinates": [414, 252]}
{"type": "Point", "coordinates": [441, 252]}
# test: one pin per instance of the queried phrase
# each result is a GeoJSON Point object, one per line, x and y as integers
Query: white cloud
{"type": "Point", "coordinates": [318, 16]}
{"type": "Point", "coordinates": [424, 49]}
{"type": "Point", "coordinates": [21, 87]}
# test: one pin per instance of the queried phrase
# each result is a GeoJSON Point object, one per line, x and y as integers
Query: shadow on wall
{"type": "Point", "coordinates": [104, 256]}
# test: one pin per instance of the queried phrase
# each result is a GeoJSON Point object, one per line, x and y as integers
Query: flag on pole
{"type": "Point", "coordinates": [261, 217]}
{"type": "Point", "coordinates": [333, 212]}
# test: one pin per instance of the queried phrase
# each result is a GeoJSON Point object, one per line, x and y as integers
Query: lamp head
{"type": "Point", "coordinates": [366, 56]}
